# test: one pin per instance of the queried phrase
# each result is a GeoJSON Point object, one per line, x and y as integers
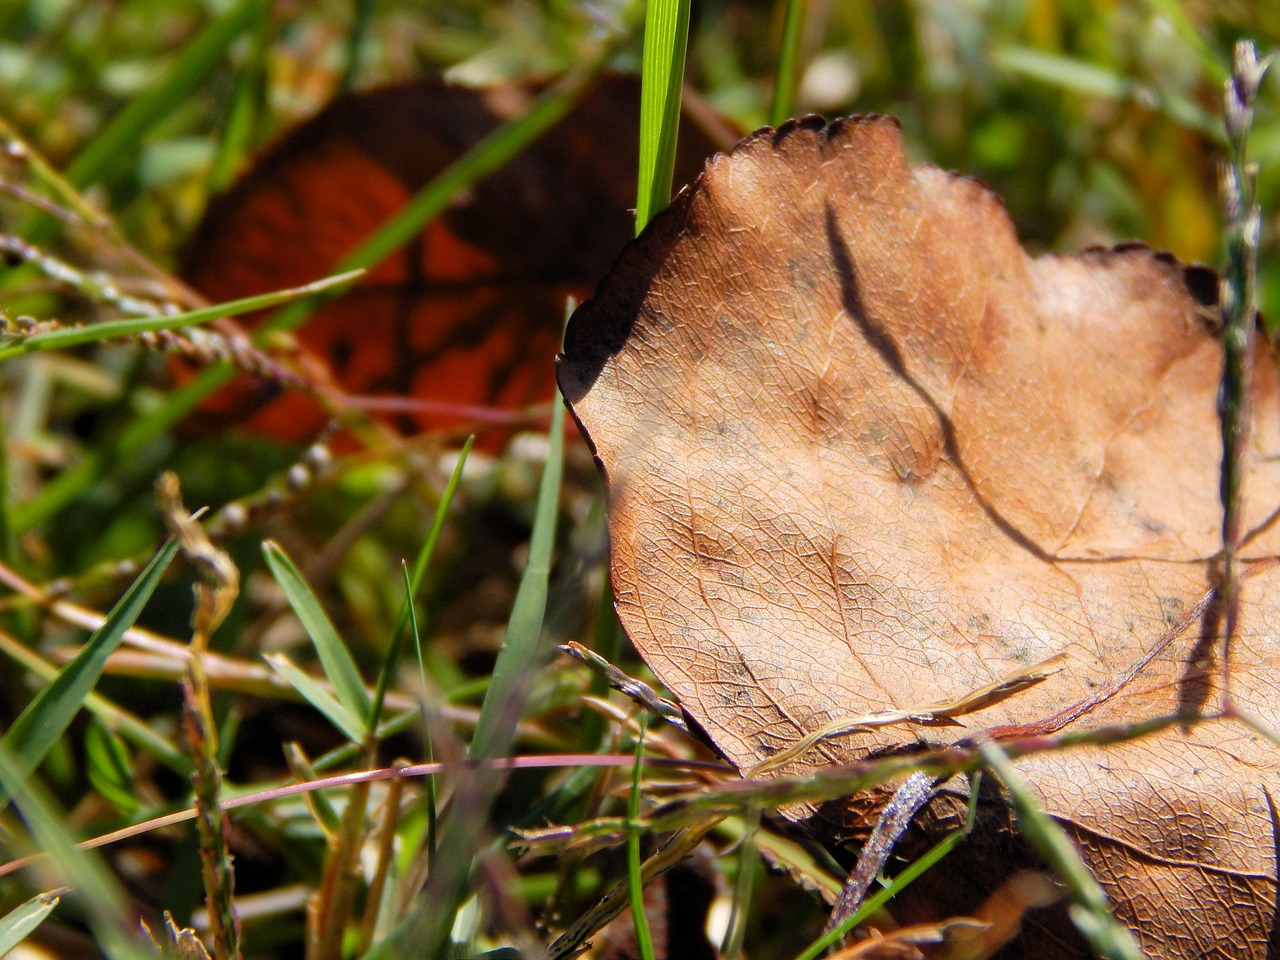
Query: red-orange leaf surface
{"type": "Point", "coordinates": [468, 314]}
{"type": "Point", "coordinates": [863, 453]}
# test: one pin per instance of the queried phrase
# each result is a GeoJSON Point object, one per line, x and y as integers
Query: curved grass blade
{"type": "Point", "coordinates": [407, 615]}
{"type": "Point", "coordinates": [635, 882]}
{"type": "Point", "coordinates": [339, 667]}
{"type": "Point", "coordinates": [1070, 73]}
{"type": "Point", "coordinates": [318, 697]}
{"type": "Point", "coordinates": [107, 712]}
{"type": "Point", "coordinates": [18, 923]}
{"type": "Point", "coordinates": [47, 717]}
{"type": "Point", "coordinates": [784, 81]}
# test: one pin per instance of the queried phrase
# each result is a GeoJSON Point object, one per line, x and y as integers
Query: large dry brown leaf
{"type": "Point", "coordinates": [863, 453]}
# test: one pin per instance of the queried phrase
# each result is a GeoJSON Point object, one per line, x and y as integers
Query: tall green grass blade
{"type": "Point", "coordinates": [119, 141]}
{"type": "Point", "coordinates": [743, 889]}
{"type": "Point", "coordinates": [520, 647]}
{"type": "Point", "coordinates": [18, 923]}
{"type": "Point", "coordinates": [66, 337]}
{"type": "Point", "coordinates": [335, 658]}
{"type": "Point", "coordinates": [635, 882]}
{"type": "Point", "coordinates": [408, 612]}
{"type": "Point", "coordinates": [491, 153]}
{"type": "Point", "coordinates": [429, 800]}
{"type": "Point", "coordinates": [1089, 908]}
{"type": "Point", "coordinates": [47, 717]}
{"type": "Point", "coordinates": [426, 930]}
{"type": "Point", "coordinates": [666, 36]}
{"type": "Point", "coordinates": [107, 765]}
{"type": "Point", "coordinates": [407, 615]}
{"type": "Point", "coordinates": [784, 77]}
{"type": "Point", "coordinates": [320, 698]}
{"type": "Point", "coordinates": [94, 885]}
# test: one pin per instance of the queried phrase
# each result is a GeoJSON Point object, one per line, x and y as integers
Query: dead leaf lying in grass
{"type": "Point", "coordinates": [864, 454]}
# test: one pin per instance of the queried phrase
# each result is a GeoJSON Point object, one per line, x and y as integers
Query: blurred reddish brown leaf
{"type": "Point", "coordinates": [470, 312]}
{"type": "Point", "coordinates": [864, 454]}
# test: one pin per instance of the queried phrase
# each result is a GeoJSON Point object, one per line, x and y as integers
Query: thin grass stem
{"type": "Point", "coordinates": [635, 883]}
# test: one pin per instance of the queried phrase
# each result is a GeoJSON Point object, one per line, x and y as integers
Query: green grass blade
{"type": "Point", "coordinates": [430, 802]}
{"type": "Point", "coordinates": [320, 698]}
{"type": "Point", "coordinates": [356, 40]}
{"type": "Point", "coordinates": [784, 82]}
{"type": "Point", "coordinates": [666, 35]}
{"type": "Point", "coordinates": [20, 921]}
{"type": "Point", "coordinates": [246, 101]}
{"type": "Point", "coordinates": [743, 888]}
{"type": "Point", "coordinates": [407, 615]}
{"type": "Point", "coordinates": [47, 717]}
{"type": "Point", "coordinates": [1089, 908]}
{"type": "Point", "coordinates": [635, 882]}
{"type": "Point", "coordinates": [82, 870]}
{"type": "Point", "coordinates": [110, 714]}
{"type": "Point", "coordinates": [426, 929]}
{"type": "Point", "coordinates": [63, 338]}
{"type": "Point", "coordinates": [520, 646]}
{"type": "Point", "coordinates": [71, 484]}
{"type": "Point", "coordinates": [339, 667]}
{"type": "Point", "coordinates": [119, 141]}
{"type": "Point", "coordinates": [1076, 75]}
{"type": "Point", "coordinates": [909, 875]}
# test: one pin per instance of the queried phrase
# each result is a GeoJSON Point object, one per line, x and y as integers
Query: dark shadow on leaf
{"type": "Point", "coordinates": [1194, 685]}
{"type": "Point", "coordinates": [882, 343]}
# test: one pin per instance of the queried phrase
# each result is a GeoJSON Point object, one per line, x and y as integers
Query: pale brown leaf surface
{"type": "Point", "coordinates": [864, 454]}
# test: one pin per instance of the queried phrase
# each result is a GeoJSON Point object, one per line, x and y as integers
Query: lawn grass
{"type": "Point", "coordinates": [1095, 124]}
